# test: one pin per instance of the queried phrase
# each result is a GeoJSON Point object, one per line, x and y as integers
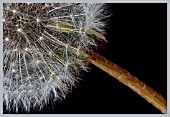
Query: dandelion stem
{"type": "Point", "coordinates": [129, 80]}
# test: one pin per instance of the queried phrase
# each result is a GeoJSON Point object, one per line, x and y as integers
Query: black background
{"type": "Point", "coordinates": [137, 34]}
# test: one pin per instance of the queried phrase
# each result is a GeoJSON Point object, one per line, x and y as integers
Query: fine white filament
{"type": "Point", "coordinates": [38, 63]}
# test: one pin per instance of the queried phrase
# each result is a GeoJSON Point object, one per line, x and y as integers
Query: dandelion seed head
{"type": "Point", "coordinates": [39, 65]}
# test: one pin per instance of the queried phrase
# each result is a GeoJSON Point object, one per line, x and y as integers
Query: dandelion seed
{"type": "Point", "coordinates": [3, 20]}
{"type": "Point", "coordinates": [7, 39]}
{"type": "Point", "coordinates": [38, 20]}
{"type": "Point", "coordinates": [41, 38]}
{"type": "Point", "coordinates": [50, 53]}
{"type": "Point", "coordinates": [14, 50]}
{"type": "Point", "coordinates": [13, 70]}
{"type": "Point", "coordinates": [40, 78]}
{"type": "Point", "coordinates": [14, 11]}
{"type": "Point", "coordinates": [19, 30]}
{"type": "Point", "coordinates": [37, 61]}
{"type": "Point", "coordinates": [26, 49]}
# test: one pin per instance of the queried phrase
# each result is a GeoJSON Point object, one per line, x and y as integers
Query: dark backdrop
{"type": "Point", "coordinates": [137, 35]}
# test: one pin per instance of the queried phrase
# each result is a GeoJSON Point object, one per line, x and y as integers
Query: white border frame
{"type": "Point", "coordinates": [85, 115]}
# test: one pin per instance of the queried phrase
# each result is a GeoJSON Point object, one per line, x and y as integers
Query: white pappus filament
{"type": "Point", "coordinates": [38, 63]}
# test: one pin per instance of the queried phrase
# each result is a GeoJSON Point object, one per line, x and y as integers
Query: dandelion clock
{"type": "Point", "coordinates": [47, 45]}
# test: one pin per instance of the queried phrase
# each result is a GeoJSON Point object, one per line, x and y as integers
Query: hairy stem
{"type": "Point", "coordinates": [129, 80]}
